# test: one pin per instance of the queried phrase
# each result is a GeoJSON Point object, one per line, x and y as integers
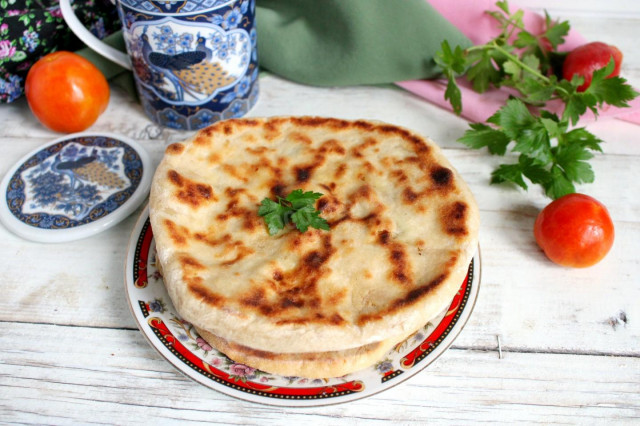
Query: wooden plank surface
{"type": "Point", "coordinates": [112, 376]}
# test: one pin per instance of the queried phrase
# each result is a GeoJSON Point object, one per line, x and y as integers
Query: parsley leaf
{"type": "Point", "coordinates": [309, 217]}
{"type": "Point", "coordinates": [509, 173]}
{"type": "Point", "coordinates": [610, 90]}
{"type": "Point", "coordinates": [513, 118]}
{"type": "Point", "coordinates": [555, 32]}
{"type": "Point", "coordinates": [550, 153]}
{"type": "Point", "coordinates": [559, 185]}
{"type": "Point", "coordinates": [275, 215]}
{"type": "Point", "coordinates": [482, 135]}
{"type": "Point", "coordinates": [453, 63]}
{"type": "Point", "coordinates": [297, 207]}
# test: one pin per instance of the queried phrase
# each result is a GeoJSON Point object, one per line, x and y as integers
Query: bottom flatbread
{"type": "Point", "coordinates": [312, 365]}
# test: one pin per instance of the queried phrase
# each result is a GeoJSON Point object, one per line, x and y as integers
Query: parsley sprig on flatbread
{"type": "Point", "coordinates": [297, 207]}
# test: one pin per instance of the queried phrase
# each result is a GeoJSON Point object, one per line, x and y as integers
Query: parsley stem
{"type": "Point", "coordinates": [521, 64]}
{"type": "Point", "coordinates": [516, 60]}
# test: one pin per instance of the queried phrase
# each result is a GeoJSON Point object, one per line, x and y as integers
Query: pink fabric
{"type": "Point", "coordinates": [480, 27]}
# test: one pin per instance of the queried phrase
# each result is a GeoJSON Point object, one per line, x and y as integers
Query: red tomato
{"type": "Point", "coordinates": [66, 92]}
{"type": "Point", "coordinates": [575, 230]}
{"type": "Point", "coordinates": [586, 59]}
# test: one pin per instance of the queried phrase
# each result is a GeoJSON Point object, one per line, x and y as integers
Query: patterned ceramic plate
{"type": "Point", "coordinates": [74, 187]}
{"type": "Point", "coordinates": [180, 344]}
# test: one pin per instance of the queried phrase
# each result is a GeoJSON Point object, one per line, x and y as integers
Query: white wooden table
{"type": "Point", "coordinates": [70, 351]}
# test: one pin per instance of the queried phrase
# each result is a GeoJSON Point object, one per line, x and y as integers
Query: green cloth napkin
{"type": "Point", "coordinates": [340, 42]}
{"type": "Point", "coordinates": [350, 42]}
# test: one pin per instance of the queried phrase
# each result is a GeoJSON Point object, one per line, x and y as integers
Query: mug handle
{"type": "Point", "coordinates": [90, 40]}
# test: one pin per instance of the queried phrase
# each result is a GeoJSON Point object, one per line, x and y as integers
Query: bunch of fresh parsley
{"type": "Point", "coordinates": [550, 151]}
{"type": "Point", "coordinates": [297, 207]}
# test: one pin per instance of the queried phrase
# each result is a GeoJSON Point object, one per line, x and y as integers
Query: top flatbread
{"type": "Point", "coordinates": [403, 231]}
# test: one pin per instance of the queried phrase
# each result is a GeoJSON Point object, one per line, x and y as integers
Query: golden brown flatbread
{"type": "Point", "coordinates": [403, 230]}
{"type": "Point", "coordinates": [312, 365]}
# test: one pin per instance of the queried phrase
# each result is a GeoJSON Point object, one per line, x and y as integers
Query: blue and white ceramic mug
{"type": "Point", "coordinates": [194, 61]}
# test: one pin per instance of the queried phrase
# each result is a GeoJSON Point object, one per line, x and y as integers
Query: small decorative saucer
{"type": "Point", "coordinates": [75, 187]}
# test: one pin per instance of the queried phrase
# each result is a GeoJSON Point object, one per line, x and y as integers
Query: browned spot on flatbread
{"type": "Point", "coordinates": [179, 234]}
{"type": "Point", "coordinates": [301, 137]}
{"type": "Point", "coordinates": [363, 192]}
{"type": "Point", "coordinates": [442, 177]}
{"type": "Point", "coordinates": [190, 263]}
{"type": "Point", "coordinates": [206, 135]}
{"type": "Point", "coordinates": [419, 292]}
{"type": "Point", "coordinates": [335, 319]}
{"type": "Point", "coordinates": [303, 173]}
{"type": "Point", "coordinates": [234, 192]}
{"type": "Point", "coordinates": [298, 299]}
{"type": "Point", "coordinates": [453, 218]}
{"type": "Point", "coordinates": [227, 128]}
{"type": "Point", "coordinates": [401, 269]}
{"type": "Point", "coordinates": [359, 150]}
{"type": "Point", "coordinates": [384, 237]}
{"type": "Point", "coordinates": [241, 250]}
{"type": "Point", "coordinates": [315, 122]}
{"type": "Point", "coordinates": [332, 146]}
{"type": "Point", "coordinates": [214, 158]}
{"type": "Point", "coordinates": [257, 150]}
{"type": "Point", "coordinates": [203, 293]}
{"type": "Point", "coordinates": [374, 218]}
{"type": "Point", "coordinates": [418, 143]}
{"type": "Point", "coordinates": [409, 196]}
{"type": "Point", "coordinates": [279, 189]}
{"type": "Point", "coordinates": [248, 122]}
{"type": "Point", "coordinates": [230, 246]}
{"type": "Point", "coordinates": [234, 172]}
{"type": "Point", "coordinates": [191, 192]}
{"type": "Point", "coordinates": [174, 149]}
{"type": "Point", "coordinates": [399, 175]}
{"type": "Point", "coordinates": [271, 129]}
{"type": "Point", "coordinates": [247, 215]}
{"type": "Point", "coordinates": [254, 298]}
{"type": "Point", "coordinates": [410, 298]}
{"type": "Point", "coordinates": [328, 205]}
{"type": "Point", "coordinates": [338, 297]}
{"type": "Point", "coordinates": [202, 237]}
{"type": "Point", "coordinates": [370, 168]}
{"type": "Point", "coordinates": [364, 125]}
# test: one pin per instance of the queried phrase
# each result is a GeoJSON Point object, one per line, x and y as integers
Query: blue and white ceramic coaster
{"type": "Point", "coordinates": [74, 187]}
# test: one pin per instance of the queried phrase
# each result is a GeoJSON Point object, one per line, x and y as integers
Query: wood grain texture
{"type": "Point", "coordinates": [71, 353]}
{"type": "Point", "coordinates": [112, 376]}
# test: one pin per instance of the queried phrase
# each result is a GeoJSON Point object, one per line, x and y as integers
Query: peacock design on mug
{"type": "Point", "coordinates": [184, 67]}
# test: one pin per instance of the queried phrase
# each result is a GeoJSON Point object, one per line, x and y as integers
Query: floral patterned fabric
{"type": "Point", "coordinates": [29, 29]}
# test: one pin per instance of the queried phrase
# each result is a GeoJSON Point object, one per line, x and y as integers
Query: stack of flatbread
{"type": "Point", "coordinates": [320, 303]}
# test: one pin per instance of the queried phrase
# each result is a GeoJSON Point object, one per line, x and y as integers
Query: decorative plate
{"type": "Point", "coordinates": [74, 187]}
{"type": "Point", "coordinates": [177, 341]}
